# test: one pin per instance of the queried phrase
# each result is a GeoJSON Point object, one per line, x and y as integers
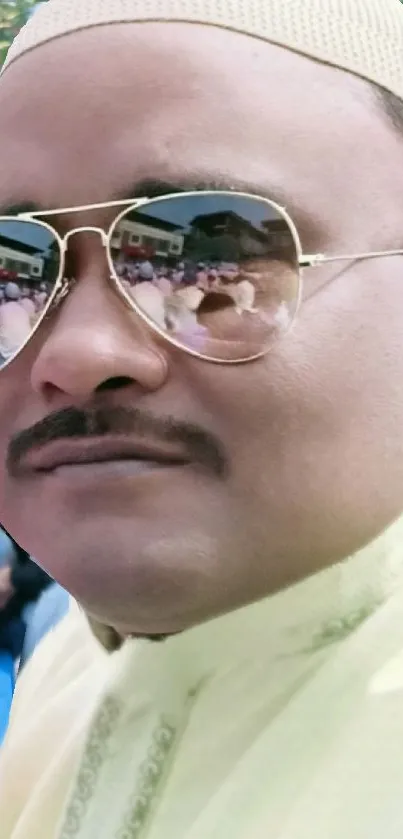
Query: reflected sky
{"type": "Point", "coordinates": [27, 233]}
{"type": "Point", "coordinates": [183, 210]}
{"type": "Point", "coordinates": [179, 211]}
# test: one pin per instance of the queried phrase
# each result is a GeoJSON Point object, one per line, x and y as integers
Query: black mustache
{"type": "Point", "coordinates": [199, 445]}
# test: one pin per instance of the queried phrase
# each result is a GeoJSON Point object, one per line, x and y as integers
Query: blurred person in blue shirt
{"type": "Point", "coordinates": [30, 601]}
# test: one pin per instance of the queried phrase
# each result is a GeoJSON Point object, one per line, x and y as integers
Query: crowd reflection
{"type": "Point", "coordinates": [21, 305]}
{"type": "Point", "coordinates": [204, 301]}
{"type": "Point", "coordinates": [173, 297]}
{"type": "Point", "coordinates": [191, 302]}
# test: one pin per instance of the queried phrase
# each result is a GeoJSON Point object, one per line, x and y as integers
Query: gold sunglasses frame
{"type": "Point", "coordinates": [62, 286]}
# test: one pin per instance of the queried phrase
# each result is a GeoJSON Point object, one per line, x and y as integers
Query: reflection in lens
{"type": "Point", "coordinates": [29, 268]}
{"type": "Point", "coordinates": [218, 273]}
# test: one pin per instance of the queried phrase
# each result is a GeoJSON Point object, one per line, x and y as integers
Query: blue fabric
{"type": "Point", "coordinates": [7, 683]}
{"type": "Point", "coordinates": [12, 637]}
{"type": "Point", "coordinates": [21, 638]}
{"type": "Point", "coordinates": [7, 550]}
{"type": "Point", "coordinates": [40, 617]}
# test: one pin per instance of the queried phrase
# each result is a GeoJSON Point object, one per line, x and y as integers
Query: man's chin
{"type": "Point", "coordinates": [149, 611]}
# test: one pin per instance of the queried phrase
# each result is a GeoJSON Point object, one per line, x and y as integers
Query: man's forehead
{"type": "Point", "coordinates": [182, 169]}
{"type": "Point", "coordinates": [102, 124]}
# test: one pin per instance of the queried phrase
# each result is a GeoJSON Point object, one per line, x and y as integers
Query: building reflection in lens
{"type": "Point", "coordinates": [209, 268]}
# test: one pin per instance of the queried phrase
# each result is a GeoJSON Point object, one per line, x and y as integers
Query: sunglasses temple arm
{"type": "Point", "coordinates": [312, 260]}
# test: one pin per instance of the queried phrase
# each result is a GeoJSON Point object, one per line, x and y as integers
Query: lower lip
{"type": "Point", "coordinates": [111, 469]}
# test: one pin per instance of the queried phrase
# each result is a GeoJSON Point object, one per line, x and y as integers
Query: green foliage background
{"type": "Point", "coordinates": [13, 15]}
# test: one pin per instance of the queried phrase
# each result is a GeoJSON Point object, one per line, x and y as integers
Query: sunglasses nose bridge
{"type": "Point", "coordinates": [65, 241]}
{"type": "Point", "coordinates": [66, 285]}
{"type": "Point", "coordinates": [104, 236]}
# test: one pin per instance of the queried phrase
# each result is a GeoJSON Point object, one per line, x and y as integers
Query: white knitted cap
{"type": "Point", "coordinates": [364, 37]}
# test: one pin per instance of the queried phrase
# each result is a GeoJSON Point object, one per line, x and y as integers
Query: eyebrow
{"type": "Point", "coordinates": [307, 220]}
{"type": "Point", "coordinates": [149, 188]}
{"type": "Point", "coordinates": [156, 188]}
{"type": "Point", "coordinates": [16, 209]}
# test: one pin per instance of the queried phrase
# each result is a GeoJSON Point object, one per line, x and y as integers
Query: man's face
{"type": "Point", "coordinates": [311, 435]}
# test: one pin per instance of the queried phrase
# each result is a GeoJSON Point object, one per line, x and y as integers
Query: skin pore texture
{"type": "Point", "coordinates": [312, 433]}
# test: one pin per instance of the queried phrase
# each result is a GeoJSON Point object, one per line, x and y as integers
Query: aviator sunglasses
{"type": "Point", "coordinates": [217, 274]}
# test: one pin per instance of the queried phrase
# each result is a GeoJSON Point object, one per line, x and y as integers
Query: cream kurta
{"type": "Point", "coordinates": [283, 720]}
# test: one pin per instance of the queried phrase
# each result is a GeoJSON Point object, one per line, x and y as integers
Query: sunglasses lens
{"type": "Point", "coordinates": [29, 268]}
{"type": "Point", "coordinates": [216, 273]}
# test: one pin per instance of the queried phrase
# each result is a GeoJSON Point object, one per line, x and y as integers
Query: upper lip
{"type": "Point", "coordinates": [72, 452]}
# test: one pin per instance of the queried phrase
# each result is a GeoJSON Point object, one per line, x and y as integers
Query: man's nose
{"type": "Point", "coordinates": [94, 341]}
